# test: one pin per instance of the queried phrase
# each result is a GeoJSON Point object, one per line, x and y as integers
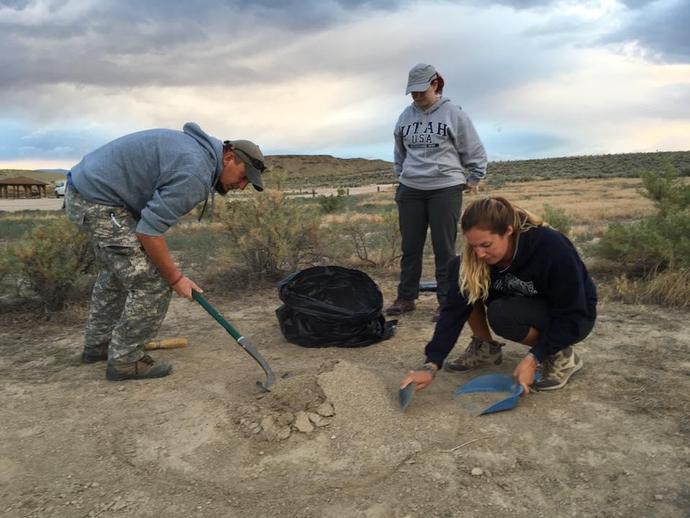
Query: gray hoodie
{"type": "Point", "coordinates": [437, 148]}
{"type": "Point", "coordinates": [159, 174]}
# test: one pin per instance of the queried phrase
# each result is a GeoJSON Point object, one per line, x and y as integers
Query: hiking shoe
{"type": "Point", "coordinates": [400, 306]}
{"type": "Point", "coordinates": [437, 315]}
{"type": "Point", "coordinates": [478, 353]}
{"type": "Point", "coordinates": [94, 354]}
{"type": "Point", "coordinates": [145, 367]}
{"type": "Point", "coordinates": [557, 369]}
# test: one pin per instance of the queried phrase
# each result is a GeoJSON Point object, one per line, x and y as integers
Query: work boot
{"type": "Point", "coordinates": [94, 354]}
{"type": "Point", "coordinates": [145, 367]}
{"type": "Point", "coordinates": [400, 306]}
{"type": "Point", "coordinates": [478, 353]}
{"type": "Point", "coordinates": [557, 369]}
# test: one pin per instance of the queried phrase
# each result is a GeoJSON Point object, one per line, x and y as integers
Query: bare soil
{"type": "Point", "coordinates": [11, 205]}
{"type": "Point", "coordinates": [206, 441]}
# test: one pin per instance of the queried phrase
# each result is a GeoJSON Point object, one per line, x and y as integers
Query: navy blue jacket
{"type": "Point", "coordinates": [546, 265]}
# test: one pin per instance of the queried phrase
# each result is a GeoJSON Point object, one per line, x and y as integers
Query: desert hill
{"type": "Point", "coordinates": [307, 171]}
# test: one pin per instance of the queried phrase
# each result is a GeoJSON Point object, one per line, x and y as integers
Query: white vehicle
{"type": "Point", "coordinates": [60, 189]}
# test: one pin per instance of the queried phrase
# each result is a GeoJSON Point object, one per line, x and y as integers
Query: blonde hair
{"type": "Point", "coordinates": [494, 214]}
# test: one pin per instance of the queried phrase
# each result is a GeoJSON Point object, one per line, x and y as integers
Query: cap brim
{"type": "Point", "coordinates": [417, 87]}
{"type": "Point", "coordinates": [254, 176]}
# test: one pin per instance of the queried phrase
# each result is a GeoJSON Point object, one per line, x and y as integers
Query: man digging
{"type": "Point", "coordinates": [125, 196]}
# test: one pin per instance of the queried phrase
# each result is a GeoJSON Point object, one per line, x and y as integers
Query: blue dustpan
{"type": "Point", "coordinates": [494, 383]}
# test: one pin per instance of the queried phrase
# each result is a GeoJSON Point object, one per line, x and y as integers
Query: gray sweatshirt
{"type": "Point", "coordinates": [159, 174]}
{"type": "Point", "coordinates": [437, 148]}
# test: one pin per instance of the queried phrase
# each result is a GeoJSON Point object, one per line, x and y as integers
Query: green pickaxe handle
{"type": "Point", "coordinates": [241, 340]}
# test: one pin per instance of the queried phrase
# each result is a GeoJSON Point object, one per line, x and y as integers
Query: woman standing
{"type": "Point", "coordinates": [530, 282]}
{"type": "Point", "coordinates": [438, 154]}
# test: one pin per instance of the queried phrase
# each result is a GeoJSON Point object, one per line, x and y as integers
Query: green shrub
{"type": "Point", "coordinates": [657, 243]}
{"type": "Point", "coordinates": [391, 240]}
{"type": "Point", "coordinates": [7, 264]}
{"type": "Point", "coordinates": [638, 248]}
{"type": "Point", "coordinates": [271, 234]}
{"type": "Point", "coordinates": [374, 242]}
{"type": "Point", "coordinates": [667, 190]}
{"type": "Point", "coordinates": [330, 204]}
{"type": "Point", "coordinates": [558, 218]}
{"type": "Point", "coordinates": [52, 258]}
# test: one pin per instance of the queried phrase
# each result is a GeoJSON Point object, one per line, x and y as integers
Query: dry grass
{"type": "Point", "coordinates": [591, 204]}
{"type": "Point", "coordinates": [349, 217]}
{"type": "Point", "coordinates": [586, 201]}
{"type": "Point", "coordinates": [670, 288]}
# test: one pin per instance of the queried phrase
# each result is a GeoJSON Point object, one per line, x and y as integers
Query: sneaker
{"type": "Point", "coordinates": [94, 354]}
{"type": "Point", "coordinates": [437, 315]}
{"type": "Point", "coordinates": [145, 367]}
{"type": "Point", "coordinates": [400, 306]}
{"type": "Point", "coordinates": [557, 369]}
{"type": "Point", "coordinates": [478, 353]}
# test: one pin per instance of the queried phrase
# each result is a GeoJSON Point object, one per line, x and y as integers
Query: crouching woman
{"type": "Point", "coordinates": [529, 282]}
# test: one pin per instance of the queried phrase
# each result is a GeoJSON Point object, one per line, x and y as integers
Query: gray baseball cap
{"type": "Point", "coordinates": [420, 78]}
{"type": "Point", "coordinates": [253, 158]}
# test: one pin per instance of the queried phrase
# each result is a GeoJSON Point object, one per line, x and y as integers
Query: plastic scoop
{"type": "Point", "coordinates": [406, 396]}
{"type": "Point", "coordinates": [494, 383]}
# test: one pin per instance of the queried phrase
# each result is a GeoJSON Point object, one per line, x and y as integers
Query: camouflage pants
{"type": "Point", "coordinates": [130, 298]}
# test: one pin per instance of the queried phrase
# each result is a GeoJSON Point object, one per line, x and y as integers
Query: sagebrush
{"type": "Point", "coordinates": [271, 234]}
{"type": "Point", "coordinates": [655, 243]}
{"type": "Point", "coordinates": [51, 259]}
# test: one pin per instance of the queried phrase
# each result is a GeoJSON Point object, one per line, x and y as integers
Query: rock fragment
{"type": "Point", "coordinates": [302, 423]}
{"type": "Point", "coordinates": [325, 409]}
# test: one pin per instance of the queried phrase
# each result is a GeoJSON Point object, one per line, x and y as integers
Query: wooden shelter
{"type": "Point", "coordinates": [23, 187]}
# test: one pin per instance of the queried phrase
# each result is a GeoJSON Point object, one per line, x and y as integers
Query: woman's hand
{"type": "Point", "coordinates": [524, 372]}
{"type": "Point", "coordinates": [472, 187]}
{"type": "Point", "coordinates": [421, 379]}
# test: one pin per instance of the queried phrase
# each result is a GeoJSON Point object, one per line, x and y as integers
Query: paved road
{"type": "Point", "coordinates": [30, 204]}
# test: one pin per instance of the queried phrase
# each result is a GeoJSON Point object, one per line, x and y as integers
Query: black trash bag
{"type": "Point", "coordinates": [328, 306]}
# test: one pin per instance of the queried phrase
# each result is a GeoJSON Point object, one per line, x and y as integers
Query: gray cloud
{"type": "Point", "coordinates": [521, 4]}
{"type": "Point", "coordinates": [660, 28]}
{"type": "Point", "coordinates": [14, 4]}
{"type": "Point", "coordinates": [129, 43]}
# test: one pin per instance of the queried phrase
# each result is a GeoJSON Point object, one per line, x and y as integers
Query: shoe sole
{"type": "Point", "coordinates": [578, 366]}
{"type": "Point", "coordinates": [398, 313]}
{"type": "Point", "coordinates": [114, 376]}
{"type": "Point", "coordinates": [92, 359]}
{"type": "Point", "coordinates": [448, 367]}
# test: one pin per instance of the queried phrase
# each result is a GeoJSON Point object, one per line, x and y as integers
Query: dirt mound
{"type": "Point", "coordinates": [296, 404]}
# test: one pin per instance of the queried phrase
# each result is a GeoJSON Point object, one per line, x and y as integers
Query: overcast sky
{"type": "Point", "coordinates": [538, 78]}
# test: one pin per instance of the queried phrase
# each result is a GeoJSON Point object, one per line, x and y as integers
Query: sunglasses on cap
{"type": "Point", "coordinates": [254, 162]}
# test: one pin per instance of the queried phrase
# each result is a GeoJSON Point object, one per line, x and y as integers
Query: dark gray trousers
{"type": "Point", "coordinates": [419, 210]}
{"type": "Point", "coordinates": [512, 316]}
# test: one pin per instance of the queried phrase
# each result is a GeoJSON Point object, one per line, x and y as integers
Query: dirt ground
{"type": "Point", "coordinates": [30, 204]}
{"type": "Point", "coordinates": [330, 440]}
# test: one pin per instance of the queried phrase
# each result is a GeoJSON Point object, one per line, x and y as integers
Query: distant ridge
{"type": "Point", "coordinates": [60, 171]}
{"type": "Point", "coordinates": [307, 171]}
